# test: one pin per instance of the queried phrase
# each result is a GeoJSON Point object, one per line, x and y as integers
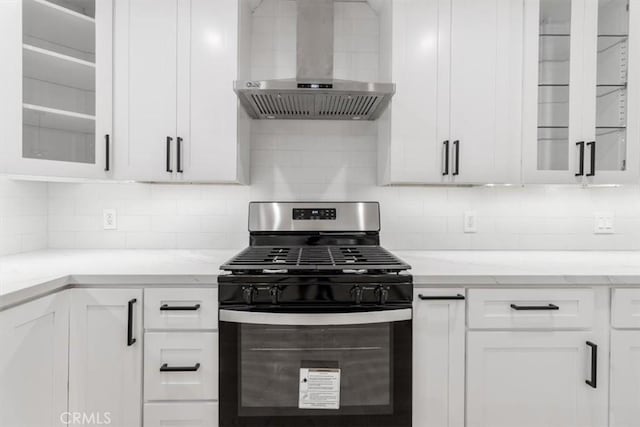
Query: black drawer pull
{"type": "Point", "coordinates": [166, 368]}
{"type": "Point", "coordinates": [593, 382]}
{"type": "Point", "coordinates": [580, 145]}
{"type": "Point", "coordinates": [107, 165]}
{"type": "Point", "coordinates": [441, 297]}
{"type": "Point", "coordinates": [168, 169]}
{"type": "Point", "coordinates": [592, 144]}
{"type": "Point", "coordinates": [445, 172]}
{"type": "Point", "coordinates": [179, 155]}
{"type": "Point", "coordinates": [456, 147]}
{"type": "Point", "coordinates": [130, 339]}
{"type": "Point", "coordinates": [167, 307]}
{"type": "Point", "coordinates": [535, 307]}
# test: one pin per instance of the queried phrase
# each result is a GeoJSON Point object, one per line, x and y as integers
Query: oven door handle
{"type": "Point", "coordinates": [315, 319]}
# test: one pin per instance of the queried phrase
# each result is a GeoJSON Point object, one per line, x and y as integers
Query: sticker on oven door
{"type": "Point", "coordinates": [319, 388]}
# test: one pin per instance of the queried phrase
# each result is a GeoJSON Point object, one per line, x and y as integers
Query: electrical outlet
{"type": "Point", "coordinates": [603, 223]}
{"type": "Point", "coordinates": [470, 222]}
{"type": "Point", "coordinates": [109, 219]}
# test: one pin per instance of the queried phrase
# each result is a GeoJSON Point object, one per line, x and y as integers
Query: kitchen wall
{"type": "Point", "coordinates": [23, 216]}
{"type": "Point", "coordinates": [293, 160]}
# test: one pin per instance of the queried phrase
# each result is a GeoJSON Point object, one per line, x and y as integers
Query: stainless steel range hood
{"type": "Point", "coordinates": [314, 94]}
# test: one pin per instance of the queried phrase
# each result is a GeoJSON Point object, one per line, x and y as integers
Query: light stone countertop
{"type": "Point", "coordinates": [30, 275]}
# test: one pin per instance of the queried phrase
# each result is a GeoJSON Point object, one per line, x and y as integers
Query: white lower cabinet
{"type": "Point", "coordinates": [438, 357]}
{"type": "Point", "coordinates": [533, 379]}
{"type": "Point", "coordinates": [34, 362]}
{"type": "Point", "coordinates": [181, 366]}
{"type": "Point", "coordinates": [105, 355]}
{"type": "Point", "coordinates": [537, 357]}
{"type": "Point", "coordinates": [181, 357]}
{"type": "Point", "coordinates": [192, 414]}
{"type": "Point", "coordinates": [624, 401]}
{"type": "Point", "coordinates": [625, 379]}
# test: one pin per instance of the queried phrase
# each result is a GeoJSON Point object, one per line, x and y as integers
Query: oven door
{"type": "Point", "coordinates": [322, 369]}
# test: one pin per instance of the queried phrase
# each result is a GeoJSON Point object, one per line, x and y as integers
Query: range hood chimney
{"type": "Point", "coordinates": [314, 94]}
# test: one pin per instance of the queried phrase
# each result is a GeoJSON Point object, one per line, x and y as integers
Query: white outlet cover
{"type": "Point", "coordinates": [603, 223]}
{"type": "Point", "coordinates": [109, 219]}
{"type": "Point", "coordinates": [470, 222]}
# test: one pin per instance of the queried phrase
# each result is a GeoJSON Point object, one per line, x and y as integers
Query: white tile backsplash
{"type": "Point", "coordinates": [290, 161]}
{"type": "Point", "coordinates": [23, 216]}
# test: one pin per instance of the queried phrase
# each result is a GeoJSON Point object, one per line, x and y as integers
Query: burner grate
{"type": "Point", "coordinates": [315, 258]}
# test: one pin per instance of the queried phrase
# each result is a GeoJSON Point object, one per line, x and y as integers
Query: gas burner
{"type": "Point", "coordinates": [315, 258]}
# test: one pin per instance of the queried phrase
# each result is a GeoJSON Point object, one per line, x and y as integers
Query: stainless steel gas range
{"type": "Point", "coordinates": [315, 321]}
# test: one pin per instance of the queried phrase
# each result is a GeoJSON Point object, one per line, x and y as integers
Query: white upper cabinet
{"type": "Point", "coordinates": [177, 117]}
{"type": "Point", "coordinates": [455, 118]}
{"type": "Point", "coordinates": [57, 104]}
{"type": "Point", "coordinates": [580, 89]}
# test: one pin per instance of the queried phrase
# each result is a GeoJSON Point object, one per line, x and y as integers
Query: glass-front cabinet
{"type": "Point", "coordinates": [60, 87]}
{"type": "Point", "coordinates": [580, 92]}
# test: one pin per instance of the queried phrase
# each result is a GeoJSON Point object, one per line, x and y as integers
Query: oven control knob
{"type": "Point", "coordinates": [382, 292]}
{"type": "Point", "coordinates": [356, 293]}
{"type": "Point", "coordinates": [247, 293]}
{"type": "Point", "coordinates": [275, 292]}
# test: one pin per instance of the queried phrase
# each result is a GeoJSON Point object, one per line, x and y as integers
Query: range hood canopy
{"type": "Point", "coordinates": [314, 93]}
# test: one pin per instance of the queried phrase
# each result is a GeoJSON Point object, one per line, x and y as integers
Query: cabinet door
{"type": "Point", "coordinates": [438, 358]}
{"type": "Point", "coordinates": [486, 81]}
{"type": "Point", "coordinates": [554, 92]}
{"type": "Point", "coordinates": [34, 362]}
{"type": "Point", "coordinates": [105, 362]}
{"type": "Point", "coordinates": [418, 122]}
{"type": "Point", "coordinates": [612, 94]}
{"type": "Point", "coordinates": [152, 89]}
{"type": "Point", "coordinates": [625, 378]}
{"type": "Point", "coordinates": [208, 117]}
{"type": "Point", "coordinates": [64, 89]}
{"type": "Point", "coordinates": [533, 379]}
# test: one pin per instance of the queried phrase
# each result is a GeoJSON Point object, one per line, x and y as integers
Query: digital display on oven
{"type": "Point", "coordinates": [314, 214]}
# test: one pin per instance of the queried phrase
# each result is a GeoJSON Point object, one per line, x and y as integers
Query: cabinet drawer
{"type": "Point", "coordinates": [531, 308]}
{"type": "Point", "coordinates": [181, 414]}
{"type": "Point", "coordinates": [181, 308]}
{"type": "Point", "coordinates": [181, 366]}
{"type": "Point", "coordinates": [625, 309]}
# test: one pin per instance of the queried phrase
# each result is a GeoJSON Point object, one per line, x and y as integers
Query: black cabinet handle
{"type": "Point", "coordinates": [441, 297]}
{"type": "Point", "coordinates": [456, 147]}
{"type": "Point", "coordinates": [167, 368]}
{"type": "Point", "coordinates": [593, 382]}
{"type": "Point", "coordinates": [580, 145]}
{"type": "Point", "coordinates": [107, 166]}
{"type": "Point", "coordinates": [446, 158]}
{"type": "Point", "coordinates": [130, 339]}
{"type": "Point", "coordinates": [535, 307]}
{"type": "Point", "coordinates": [179, 155]}
{"type": "Point", "coordinates": [169, 139]}
{"type": "Point", "coordinates": [592, 144]}
{"type": "Point", "coordinates": [167, 307]}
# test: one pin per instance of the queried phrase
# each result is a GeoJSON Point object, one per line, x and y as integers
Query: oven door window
{"type": "Point", "coordinates": [304, 373]}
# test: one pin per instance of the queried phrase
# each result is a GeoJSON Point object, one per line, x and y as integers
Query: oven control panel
{"type": "Point", "coordinates": [300, 214]}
